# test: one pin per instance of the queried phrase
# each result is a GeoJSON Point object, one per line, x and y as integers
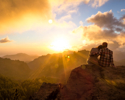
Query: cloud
{"type": "Point", "coordinates": [5, 40]}
{"type": "Point", "coordinates": [81, 23]}
{"type": "Point", "coordinates": [98, 3]}
{"type": "Point", "coordinates": [107, 20]}
{"type": "Point", "coordinates": [123, 19]}
{"type": "Point", "coordinates": [22, 14]}
{"type": "Point", "coordinates": [105, 28]}
{"type": "Point", "coordinates": [69, 6]}
{"type": "Point", "coordinates": [64, 18]}
{"type": "Point", "coordinates": [95, 34]}
{"type": "Point", "coordinates": [123, 10]}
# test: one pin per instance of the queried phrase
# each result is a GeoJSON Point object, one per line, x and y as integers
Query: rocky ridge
{"type": "Point", "coordinates": [87, 83]}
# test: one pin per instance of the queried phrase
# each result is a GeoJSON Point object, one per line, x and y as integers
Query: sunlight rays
{"type": "Point", "coordinates": [39, 70]}
{"type": "Point", "coordinates": [60, 44]}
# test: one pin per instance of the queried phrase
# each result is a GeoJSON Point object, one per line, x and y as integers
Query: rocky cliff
{"type": "Point", "coordinates": [87, 83]}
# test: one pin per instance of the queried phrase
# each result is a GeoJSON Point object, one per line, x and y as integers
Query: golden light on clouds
{"type": "Point", "coordinates": [60, 44]}
{"type": "Point", "coordinates": [22, 15]}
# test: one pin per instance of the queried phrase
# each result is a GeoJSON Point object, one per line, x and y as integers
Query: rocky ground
{"type": "Point", "coordinates": [87, 83]}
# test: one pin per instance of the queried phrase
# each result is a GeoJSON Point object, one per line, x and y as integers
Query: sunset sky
{"type": "Point", "coordinates": [39, 27]}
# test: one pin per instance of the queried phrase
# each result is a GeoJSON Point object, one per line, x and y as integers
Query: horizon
{"type": "Point", "coordinates": [43, 27]}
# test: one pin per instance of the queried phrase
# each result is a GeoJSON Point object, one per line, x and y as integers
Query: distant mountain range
{"type": "Point", "coordinates": [21, 56]}
{"type": "Point", "coordinates": [51, 65]}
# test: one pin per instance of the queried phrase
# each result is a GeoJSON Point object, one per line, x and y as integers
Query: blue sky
{"type": "Point", "coordinates": [27, 30]}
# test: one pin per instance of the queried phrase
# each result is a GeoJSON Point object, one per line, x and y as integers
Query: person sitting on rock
{"type": "Point", "coordinates": [93, 56]}
{"type": "Point", "coordinates": [106, 56]}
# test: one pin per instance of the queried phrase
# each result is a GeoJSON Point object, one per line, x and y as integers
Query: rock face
{"type": "Point", "coordinates": [88, 83]}
{"type": "Point", "coordinates": [79, 86]}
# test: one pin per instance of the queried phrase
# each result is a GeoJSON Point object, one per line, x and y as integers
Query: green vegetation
{"type": "Point", "coordinates": [13, 90]}
{"type": "Point", "coordinates": [14, 69]}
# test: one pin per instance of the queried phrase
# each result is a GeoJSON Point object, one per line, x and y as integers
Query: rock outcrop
{"type": "Point", "coordinates": [47, 91]}
{"type": "Point", "coordinates": [87, 83]}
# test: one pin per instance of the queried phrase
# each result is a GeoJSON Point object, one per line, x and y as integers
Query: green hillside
{"type": "Point", "coordinates": [14, 69]}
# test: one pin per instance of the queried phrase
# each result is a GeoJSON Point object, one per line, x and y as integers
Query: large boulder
{"type": "Point", "coordinates": [79, 86]}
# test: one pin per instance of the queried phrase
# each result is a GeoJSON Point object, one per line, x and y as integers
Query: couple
{"type": "Point", "coordinates": [101, 56]}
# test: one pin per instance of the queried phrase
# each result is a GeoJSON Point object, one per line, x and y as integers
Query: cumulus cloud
{"type": "Point", "coordinates": [22, 14]}
{"type": "Point", "coordinates": [95, 34]}
{"type": "Point", "coordinates": [106, 20]}
{"type": "Point", "coordinates": [105, 28]}
{"type": "Point", "coordinates": [5, 40]}
{"type": "Point", "coordinates": [123, 10]}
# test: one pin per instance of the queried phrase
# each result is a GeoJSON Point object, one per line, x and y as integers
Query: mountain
{"type": "Point", "coordinates": [55, 65]}
{"type": "Point", "coordinates": [87, 82]}
{"type": "Point", "coordinates": [14, 69]}
{"type": "Point", "coordinates": [21, 56]}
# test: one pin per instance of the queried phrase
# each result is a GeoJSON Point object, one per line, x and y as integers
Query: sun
{"type": "Point", "coordinates": [60, 44]}
{"type": "Point", "coordinates": [50, 21]}
{"type": "Point", "coordinates": [84, 41]}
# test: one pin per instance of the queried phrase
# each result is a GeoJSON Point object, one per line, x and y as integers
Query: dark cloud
{"type": "Point", "coordinates": [5, 40]}
{"type": "Point", "coordinates": [106, 20]}
{"type": "Point", "coordinates": [118, 29]}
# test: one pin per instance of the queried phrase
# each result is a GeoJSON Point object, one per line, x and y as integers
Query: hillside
{"type": "Point", "coordinates": [21, 56]}
{"type": "Point", "coordinates": [14, 69]}
{"type": "Point", "coordinates": [55, 65]}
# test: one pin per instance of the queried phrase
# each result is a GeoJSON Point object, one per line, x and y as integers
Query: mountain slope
{"type": "Point", "coordinates": [55, 65]}
{"type": "Point", "coordinates": [14, 69]}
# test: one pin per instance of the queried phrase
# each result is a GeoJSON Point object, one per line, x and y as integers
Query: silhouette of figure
{"type": "Point", "coordinates": [93, 56]}
{"type": "Point", "coordinates": [106, 56]}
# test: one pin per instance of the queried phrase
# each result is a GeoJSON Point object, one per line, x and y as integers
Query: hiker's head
{"type": "Point", "coordinates": [100, 47]}
{"type": "Point", "coordinates": [104, 44]}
